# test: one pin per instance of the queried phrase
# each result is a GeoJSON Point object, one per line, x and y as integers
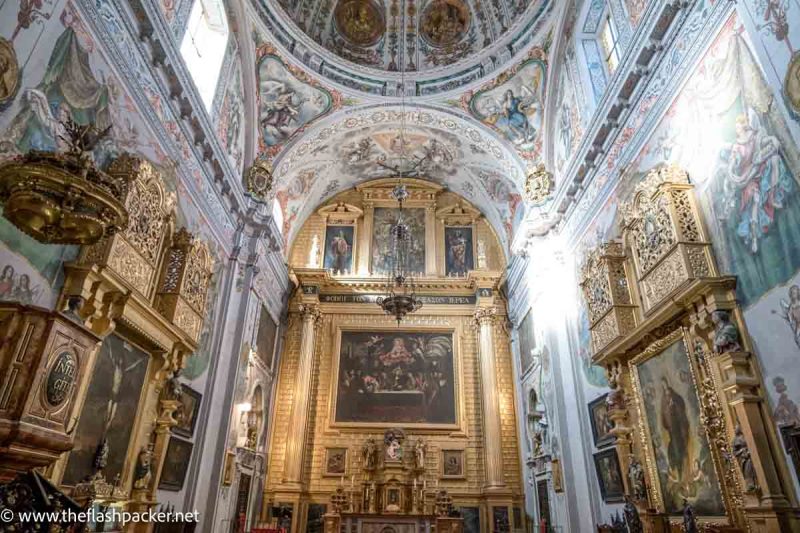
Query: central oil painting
{"type": "Point", "coordinates": [396, 377]}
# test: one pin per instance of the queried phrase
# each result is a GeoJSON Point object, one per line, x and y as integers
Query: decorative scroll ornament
{"type": "Point", "coordinates": [539, 185]}
{"type": "Point", "coordinates": [259, 181]}
{"type": "Point", "coordinates": [62, 198]}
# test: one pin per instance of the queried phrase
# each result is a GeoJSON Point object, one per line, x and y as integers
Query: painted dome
{"type": "Point", "coordinates": [364, 44]}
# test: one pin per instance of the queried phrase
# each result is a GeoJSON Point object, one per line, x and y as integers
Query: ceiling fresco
{"type": "Point", "coordinates": [288, 100]}
{"type": "Point", "coordinates": [357, 145]}
{"type": "Point", "coordinates": [365, 44]}
{"type": "Point", "coordinates": [513, 104]}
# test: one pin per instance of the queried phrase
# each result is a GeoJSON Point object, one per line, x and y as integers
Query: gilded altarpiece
{"type": "Point", "coordinates": [424, 387]}
{"type": "Point", "coordinates": [692, 430]}
{"type": "Point", "coordinates": [122, 389]}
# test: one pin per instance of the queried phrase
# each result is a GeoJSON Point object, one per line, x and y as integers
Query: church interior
{"type": "Point", "coordinates": [400, 266]}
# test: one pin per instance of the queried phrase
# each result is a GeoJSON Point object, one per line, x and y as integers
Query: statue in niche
{"type": "Point", "coordinates": [369, 454]}
{"type": "Point", "coordinates": [636, 477]}
{"type": "Point", "coordinates": [726, 334]}
{"type": "Point", "coordinates": [313, 253]}
{"type": "Point", "coordinates": [632, 517]}
{"type": "Point", "coordinates": [742, 454]}
{"type": "Point", "coordinates": [419, 454]}
{"type": "Point", "coordinates": [689, 520]}
{"type": "Point", "coordinates": [616, 398]}
{"type": "Point", "coordinates": [143, 473]}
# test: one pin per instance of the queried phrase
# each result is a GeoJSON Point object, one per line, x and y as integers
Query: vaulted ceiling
{"type": "Point", "coordinates": [329, 85]}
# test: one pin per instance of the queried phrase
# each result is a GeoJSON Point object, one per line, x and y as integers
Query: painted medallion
{"type": "Point", "coordinates": [359, 21]}
{"type": "Point", "coordinates": [445, 22]}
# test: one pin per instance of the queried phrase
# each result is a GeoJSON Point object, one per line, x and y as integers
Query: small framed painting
{"type": "Point", "coordinates": [601, 424]}
{"type": "Point", "coordinates": [609, 475]}
{"type": "Point", "coordinates": [176, 463]}
{"type": "Point", "coordinates": [229, 469]}
{"type": "Point", "coordinates": [187, 411]}
{"type": "Point", "coordinates": [453, 464]}
{"type": "Point", "coordinates": [335, 461]}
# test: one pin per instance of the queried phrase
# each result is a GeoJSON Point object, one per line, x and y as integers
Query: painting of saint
{"type": "Point", "coordinates": [286, 104]}
{"type": "Point", "coordinates": [339, 249]}
{"type": "Point", "coordinates": [176, 464]}
{"type": "Point", "coordinates": [384, 219]}
{"type": "Point", "coordinates": [459, 257]}
{"type": "Point", "coordinates": [609, 475]}
{"type": "Point", "coordinates": [527, 343]}
{"type": "Point", "coordinates": [681, 453]}
{"type": "Point", "coordinates": [727, 130]}
{"type": "Point", "coordinates": [601, 423]}
{"type": "Point", "coordinates": [515, 106]}
{"type": "Point", "coordinates": [335, 461]}
{"type": "Point", "coordinates": [265, 337]}
{"type": "Point", "coordinates": [397, 377]}
{"type": "Point", "coordinates": [108, 416]}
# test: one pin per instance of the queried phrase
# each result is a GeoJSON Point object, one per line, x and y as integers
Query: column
{"type": "Point", "coordinates": [485, 317]}
{"type": "Point", "coordinates": [295, 445]}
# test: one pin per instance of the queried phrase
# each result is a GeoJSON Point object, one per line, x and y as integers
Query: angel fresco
{"type": "Point", "coordinates": [515, 107]}
{"type": "Point", "coordinates": [286, 104]}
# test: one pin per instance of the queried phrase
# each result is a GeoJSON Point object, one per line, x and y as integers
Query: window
{"type": "Point", "coordinates": [609, 40]}
{"type": "Point", "coordinates": [277, 214]}
{"type": "Point", "coordinates": [203, 46]}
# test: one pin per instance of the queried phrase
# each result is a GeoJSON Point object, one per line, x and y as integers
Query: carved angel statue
{"type": "Point", "coordinates": [636, 476]}
{"type": "Point", "coordinates": [742, 454]}
{"type": "Point", "coordinates": [632, 517]}
{"type": "Point", "coordinates": [726, 334]}
{"type": "Point", "coordinates": [174, 388]}
{"type": "Point", "coordinates": [369, 454]}
{"type": "Point", "coordinates": [419, 454]}
{"type": "Point", "coordinates": [143, 472]}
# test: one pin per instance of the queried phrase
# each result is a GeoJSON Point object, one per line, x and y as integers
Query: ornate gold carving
{"type": "Point", "coordinates": [664, 279]}
{"type": "Point", "coordinates": [539, 185]}
{"type": "Point", "coordinates": [607, 294]}
{"type": "Point", "coordinates": [184, 284]}
{"type": "Point", "coordinates": [486, 315]}
{"type": "Point", "coordinates": [148, 203]}
{"type": "Point", "coordinates": [130, 265]}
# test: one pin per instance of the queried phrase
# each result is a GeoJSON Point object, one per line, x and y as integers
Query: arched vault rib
{"type": "Point", "coordinates": [344, 149]}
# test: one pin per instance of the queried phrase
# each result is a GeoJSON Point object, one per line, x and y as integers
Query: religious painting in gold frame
{"type": "Point", "coordinates": [385, 376]}
{"type": "Point", "coordinates": [680, 462]}
{"type": "Point", "coordinates": [335, 462]}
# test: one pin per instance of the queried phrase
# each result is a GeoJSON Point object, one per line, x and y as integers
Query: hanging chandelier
{"type": "Point", "coordinates": [400, 294]}
{"type": "Point", "coordinates": [400, 297]}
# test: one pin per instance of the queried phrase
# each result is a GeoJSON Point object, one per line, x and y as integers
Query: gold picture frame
{"type": "Point", "coordinates": [664, 378]}
{"type": "Point", "coordinates": [455, 335]}
{"type": "Point", "coordinates": [452, 464]}
{"type": "Point", "coordinates": [335, 462]}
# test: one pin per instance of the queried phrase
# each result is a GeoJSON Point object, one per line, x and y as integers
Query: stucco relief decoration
{"type": "Point", "coordinates": [539, 185]}
{"type": "Point", "coordinates": [513, 104]}
{"type": "Point", "coordinates": [361, 22]}
{"type": "Point", "coordinates": [288, 100]}
{"type": "Point", "coordinates": [259, 181]}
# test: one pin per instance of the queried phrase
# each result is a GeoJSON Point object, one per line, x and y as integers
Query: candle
{"type": "Point", "coordinates": [415, 483]}
{"type": "Point", "coordinates": [424, 483]}
{"type": "Point", "coordinates": [352, 480]}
